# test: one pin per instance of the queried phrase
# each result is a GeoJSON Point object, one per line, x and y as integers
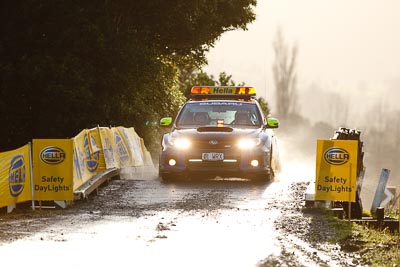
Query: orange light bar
{"type": "Point", "coordinates": [198, 90]}
{"type": "Point", "coordinates": [223, 90]}
{"type": "Point", "coordinates": [246, 91]}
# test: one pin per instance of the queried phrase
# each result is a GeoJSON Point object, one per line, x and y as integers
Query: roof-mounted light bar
{"type": "Point", "coordinates": [223, 92]}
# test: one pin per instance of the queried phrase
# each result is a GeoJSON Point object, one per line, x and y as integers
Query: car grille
{"type": "Point", "coordinates": [205, 144]}
{"type": "Point", "coordinates": [213, 166]}
{"type": "Point", "coordinates": [213, 163]}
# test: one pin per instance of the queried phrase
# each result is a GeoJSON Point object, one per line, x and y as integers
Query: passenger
{"type": "Point", "coordinates": [188, 119]}
{"type": "Point", "coordinates": [201, 118]}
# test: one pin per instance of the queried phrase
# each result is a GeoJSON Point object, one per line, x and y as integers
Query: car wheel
{"type": "Point", "coordinates": [175, 177]}
{"type": "Point", "coordinates": [271, 175]}
{"type": "Point", "coordinates": [278, 166]}
{"type": "Point", "coordinates": [263, 178]}
{"type": "Point", "coordinates": [167, 177]}
{"type": "Point", "coordinates": [275, 162]}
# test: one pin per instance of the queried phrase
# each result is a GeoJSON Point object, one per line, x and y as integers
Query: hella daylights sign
{"type": "Point", "coordinates": [336, 172]}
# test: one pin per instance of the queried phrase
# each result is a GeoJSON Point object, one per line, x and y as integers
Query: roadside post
{"type": "Point", "coordinates": [390, 193]}
{"type": "Point", "coordinates": [380, 190]}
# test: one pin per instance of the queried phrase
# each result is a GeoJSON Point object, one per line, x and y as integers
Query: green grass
{"type": "Point", "coordinates": [375, 247]}
{"type": "Point", "coordinates": [334, 229]}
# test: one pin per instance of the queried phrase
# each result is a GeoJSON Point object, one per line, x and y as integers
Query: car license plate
{"type": "Point", "coordinates": [213, 156]}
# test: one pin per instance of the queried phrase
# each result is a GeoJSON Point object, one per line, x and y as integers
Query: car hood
{"type": "Point", "coordinates": [215, 133]}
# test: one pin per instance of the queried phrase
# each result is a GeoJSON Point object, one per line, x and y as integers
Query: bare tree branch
{"type": "Point", "coordinates": [285, 77]}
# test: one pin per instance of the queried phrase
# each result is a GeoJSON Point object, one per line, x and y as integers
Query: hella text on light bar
{"type": "Point", "coordinates": [223, 90]}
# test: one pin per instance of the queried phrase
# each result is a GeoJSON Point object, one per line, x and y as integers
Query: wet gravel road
{"type": "Point", "coordinates": [150, 223]}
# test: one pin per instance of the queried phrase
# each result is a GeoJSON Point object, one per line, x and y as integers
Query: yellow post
{"type": "Point", "coordinates": [350, 195]}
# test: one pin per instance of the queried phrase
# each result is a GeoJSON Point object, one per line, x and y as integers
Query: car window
{"type": "Point", "coordinates": [209, 113]}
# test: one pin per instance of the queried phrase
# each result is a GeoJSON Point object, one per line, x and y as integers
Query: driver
{"type": "Point", "coordinates": [242, 118]}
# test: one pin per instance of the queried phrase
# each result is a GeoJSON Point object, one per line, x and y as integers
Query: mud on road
{"type": "Point", "coordinates": [147, 222]}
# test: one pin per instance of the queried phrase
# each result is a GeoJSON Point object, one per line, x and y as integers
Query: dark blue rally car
{"type": "Point", "coordinates": [219, 132]}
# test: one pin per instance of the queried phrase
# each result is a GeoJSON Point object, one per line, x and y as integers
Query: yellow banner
{"type": "Point", "coordinates": [96, 149]}
{"type": "Point", "coordinates": [336, 172]}
{"type": "Point", "coordinates": [88, 156]}
{"type": "Point", "coordinates": [79, 160]}
{"type": "Point", "coordinates": [122, 151]}
{"type": "Point", "coordinates": [15, 176]}
{"type": "Point", "coordinates": [133, 144]}
{"type": "Point", "coordinates": [52, 172]}
{"type": "Point", "coordinates": [109, 147]}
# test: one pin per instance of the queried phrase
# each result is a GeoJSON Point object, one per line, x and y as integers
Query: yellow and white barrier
{"type": "Point", "coordinates": [15, 176]}
{"type": "Point", "coordinates": [55, 168]}
{"type": "Point", "coordinates": [88, 156]}
{"type": "Point", "coordinates": [109, 148]}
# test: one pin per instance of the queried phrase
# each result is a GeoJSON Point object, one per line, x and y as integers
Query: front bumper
{"type": "Point", "coordinates": [236, 163]}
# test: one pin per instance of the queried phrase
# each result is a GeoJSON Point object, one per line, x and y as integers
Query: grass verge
{"type": "Point", "coordinates": [374, 247]}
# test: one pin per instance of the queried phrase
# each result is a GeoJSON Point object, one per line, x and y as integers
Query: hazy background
{"type": "Point", "coordinates": [348, 70]}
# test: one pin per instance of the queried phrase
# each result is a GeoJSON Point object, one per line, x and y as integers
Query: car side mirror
{"type": "Point", "coordinates": [272, 123]}
{"type": "Point", "coordinates": [165, 122]}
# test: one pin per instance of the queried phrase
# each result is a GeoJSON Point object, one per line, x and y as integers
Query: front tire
{"type": "Point", "coordinates": [166, 177]}
{"type": "Point", "coordinates": [263, 178]}
{"type": "Point", "coordinates": [177, 177]}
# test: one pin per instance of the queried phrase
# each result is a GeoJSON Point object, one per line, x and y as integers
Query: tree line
{"type": "Point", "coordinates": [70, 65]}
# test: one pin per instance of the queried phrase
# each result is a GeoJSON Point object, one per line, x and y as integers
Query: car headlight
{"type": "Point", "coordinates": [249, 143]}
{"type": "Point", "coordinates": [180, 143]}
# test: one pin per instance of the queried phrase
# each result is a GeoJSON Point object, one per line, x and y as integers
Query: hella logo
{"type": "Point", "coordinates": [17, 175]}
{"type": "Point", "coordinates": [336, 156]}
{"type": "Point", "coordinates": [52, 155]}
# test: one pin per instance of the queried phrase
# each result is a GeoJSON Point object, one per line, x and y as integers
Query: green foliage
{"type": "Point", "coordinates": [264, 106]}
{"type": "Point", "coordinates": [70, 65]}
{"type": "Point", "coordinates": [226, 80]}
{"type": "Point", "coordinates": [191, 76]}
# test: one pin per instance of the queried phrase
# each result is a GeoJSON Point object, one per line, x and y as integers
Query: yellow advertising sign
{"type": "Point", "coordinates": [88, 156]}
{"type": "Point", "coordinates": [132, 141]}
{"type": "Point", "coordinates": [15, 176]}
{"type": "Point", "coordinates": [122, 152]}
{"type": "Point", "coordinates": [79, 160]}
{"type": "Point", "coordinates": [336, 173]}
{"type": "Point", "coordinates": [53, 175]}
{"type": "Point", "coordinates": [96, 149]}
{"type": "Point", "coordinates": [109, 147]}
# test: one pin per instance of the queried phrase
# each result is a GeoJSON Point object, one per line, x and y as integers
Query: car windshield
{"type": "Point", "coordinates": [213, 113]}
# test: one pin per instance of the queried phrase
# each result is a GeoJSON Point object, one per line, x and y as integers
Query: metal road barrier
{"type": "Point", "coordinates": [93, 183]}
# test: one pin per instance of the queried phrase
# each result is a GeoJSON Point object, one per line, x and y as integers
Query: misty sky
{"type": "Point", "coordinates": [351, 48]}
